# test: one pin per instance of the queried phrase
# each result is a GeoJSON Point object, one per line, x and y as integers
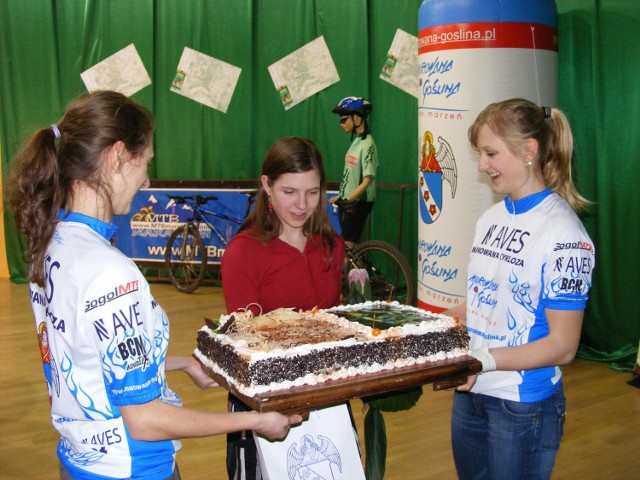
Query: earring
{"type": "Point", "coordinates": [270, 205]}
{"type": "Point", "coordinates": [528, 163]}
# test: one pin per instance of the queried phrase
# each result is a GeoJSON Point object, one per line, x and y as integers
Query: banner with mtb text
{"type": "Point", "coordinates": [142, 235]}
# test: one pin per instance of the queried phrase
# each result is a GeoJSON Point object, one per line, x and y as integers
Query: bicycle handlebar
{"type": "Point", "coordinates": [252, 194]}
{"type": "Point", "coordinates": [197, 199]}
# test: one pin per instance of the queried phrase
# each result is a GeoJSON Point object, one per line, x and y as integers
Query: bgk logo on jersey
{"type": "Point", "coordinates": [573, 285]}
{"type": "Point", "coordinates": [132, 351]}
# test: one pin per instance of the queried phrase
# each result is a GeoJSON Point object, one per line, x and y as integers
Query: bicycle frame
{"type": "Point", "coordinates": [186, 254]}
{"type": "Point", "coordinates": [388, 273]}
{"type": "Point", "coordinates": [201, 214]}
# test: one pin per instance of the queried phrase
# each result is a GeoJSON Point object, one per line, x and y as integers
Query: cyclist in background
{"type": "Point", "coordinates": [358, 184]}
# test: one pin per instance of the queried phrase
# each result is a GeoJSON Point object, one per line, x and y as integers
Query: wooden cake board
{"type": "Point", "coordinates": [443, 374]}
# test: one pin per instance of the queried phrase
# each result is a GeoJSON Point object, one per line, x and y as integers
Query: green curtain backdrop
{"type": "Point", "coordinates": [46, 44]}
{"type": "Point", "coordinates": [599, 68]}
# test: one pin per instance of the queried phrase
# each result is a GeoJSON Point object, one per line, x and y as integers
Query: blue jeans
{"type": "Point", "coordinates": [502, 440]}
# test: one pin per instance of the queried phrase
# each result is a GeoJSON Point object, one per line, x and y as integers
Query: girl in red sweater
{"type": "Point", "coordinates": [287, 254]}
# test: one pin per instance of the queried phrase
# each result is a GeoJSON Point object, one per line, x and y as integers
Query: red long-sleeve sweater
{"type": "Point", "coordinates": [277, 275]}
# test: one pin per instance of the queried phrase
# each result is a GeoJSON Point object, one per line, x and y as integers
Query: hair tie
{"type": "Point", "coordinates": [546, 111]}
{"type": "Point", "coordinates": [56, 132]}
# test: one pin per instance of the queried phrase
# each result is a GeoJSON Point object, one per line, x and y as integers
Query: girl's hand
{"type": "Point", "coordinates": [471, 380]}
{"type": "Point", "coordinates": [200, 377]}
{"type": "Point", "coordinates": [275, 426]}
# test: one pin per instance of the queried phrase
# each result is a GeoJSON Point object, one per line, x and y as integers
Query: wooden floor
{"type": "Point", "coordinates": [602, 433]}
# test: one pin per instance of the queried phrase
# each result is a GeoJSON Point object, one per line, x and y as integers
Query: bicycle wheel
{"type": "Point", "coordinates": [185, 258]}
{"type": "Point", "coordinates": [390, 275]}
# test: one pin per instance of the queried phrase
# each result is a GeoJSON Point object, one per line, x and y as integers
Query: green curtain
{"type": "Point", "coordinates": [46, 44]}
{"type": "Point", "coordinates": [599, 68]}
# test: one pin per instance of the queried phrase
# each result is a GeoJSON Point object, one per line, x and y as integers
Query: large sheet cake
{"type": "Point", "coordinates": [284, 348]}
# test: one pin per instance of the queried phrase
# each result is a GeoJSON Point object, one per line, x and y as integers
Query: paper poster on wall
{"type": "Point", "coordinates": [122, 72]}
{"type": "Point", "coordinates": [205, 79]}
{"type": "Point", "coordinates": [303, 73]}
{"type": "Point", "coordinates": [401, 67]}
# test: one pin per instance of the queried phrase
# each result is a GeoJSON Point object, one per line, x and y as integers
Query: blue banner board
{"type": "Point", "coordinates": [142, 235]}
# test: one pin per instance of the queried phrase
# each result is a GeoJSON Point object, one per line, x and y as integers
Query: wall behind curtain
{"type": "Point", "coordinates": [46, 44]}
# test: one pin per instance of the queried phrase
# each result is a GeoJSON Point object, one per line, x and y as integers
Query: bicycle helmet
{"type": "Point", "coordinates": [353, 106]}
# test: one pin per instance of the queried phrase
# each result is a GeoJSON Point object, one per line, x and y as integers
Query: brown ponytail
{"type": "Point", "coordinates": [46, 169]}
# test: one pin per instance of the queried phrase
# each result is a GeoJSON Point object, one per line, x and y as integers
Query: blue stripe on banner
{"type": "Point", "coordinates": [444, 12]}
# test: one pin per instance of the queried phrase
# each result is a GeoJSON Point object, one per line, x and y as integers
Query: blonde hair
{"type": "Point", "coordinates": [517, 120]}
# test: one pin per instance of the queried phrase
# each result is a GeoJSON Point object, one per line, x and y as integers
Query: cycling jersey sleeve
{"type": "Point", "coordinates": [118, 312]}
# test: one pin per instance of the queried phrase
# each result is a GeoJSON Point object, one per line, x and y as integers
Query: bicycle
{"type": "Point", "coordinates": [186, 255]}
{"type": "Point", "coordinates": [389, 273]}
{"type": "Point", "coordinates": [390, 276]}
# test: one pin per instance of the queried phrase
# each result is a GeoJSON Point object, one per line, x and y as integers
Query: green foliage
{"type": "Point", "coordinates": [375, 442]}
{"type": "Point", "coordinates": [395, 401]}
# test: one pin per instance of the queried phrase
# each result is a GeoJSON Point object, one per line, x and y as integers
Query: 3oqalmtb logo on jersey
{"type": "Point", "coordinates": [114, 294]}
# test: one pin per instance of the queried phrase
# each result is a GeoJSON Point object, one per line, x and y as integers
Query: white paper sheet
{"type": "Point", "coordinates": [205, 79]}
{"type": "Point", "coordinates": [324, 447]}
{"type": "Point", "coordinates": [401, 66]}
{"type": "Point", "coordinates": [122, 72]}
{"type": "Point", "coordinates": [303, 73]}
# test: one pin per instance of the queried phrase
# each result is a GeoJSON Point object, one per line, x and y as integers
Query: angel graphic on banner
{"type": "Point", "coordinates": [434, 168]}
{"type": "Point", "coordinates": [314, 460]}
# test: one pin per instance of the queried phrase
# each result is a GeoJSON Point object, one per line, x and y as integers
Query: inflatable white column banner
{"type": "Point", "coordinates": [470, 53]}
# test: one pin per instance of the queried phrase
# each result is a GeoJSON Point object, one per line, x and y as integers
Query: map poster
{"type": "Point", "coordinates": [122, 72]}
{"type": "Point", "coordinates": [401, 67]}
{"type": "Point", "coordinates": [205, 79]}
{"type": "Point", "coordinates": [303, 73]}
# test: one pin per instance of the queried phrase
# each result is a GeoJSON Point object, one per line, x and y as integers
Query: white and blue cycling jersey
{"type": "Point", "coordinates": [103, 341]}
{"type": "Point", "coordinates": [527, 256]}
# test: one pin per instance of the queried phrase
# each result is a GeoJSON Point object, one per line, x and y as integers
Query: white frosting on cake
{"type": "Point", "coordinates": [316, 378]}
{"type": "Point", "coordinates": [432, 323]}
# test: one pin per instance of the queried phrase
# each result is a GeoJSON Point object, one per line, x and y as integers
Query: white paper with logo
{"type": "Point", "coordinates": [322, 447]}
